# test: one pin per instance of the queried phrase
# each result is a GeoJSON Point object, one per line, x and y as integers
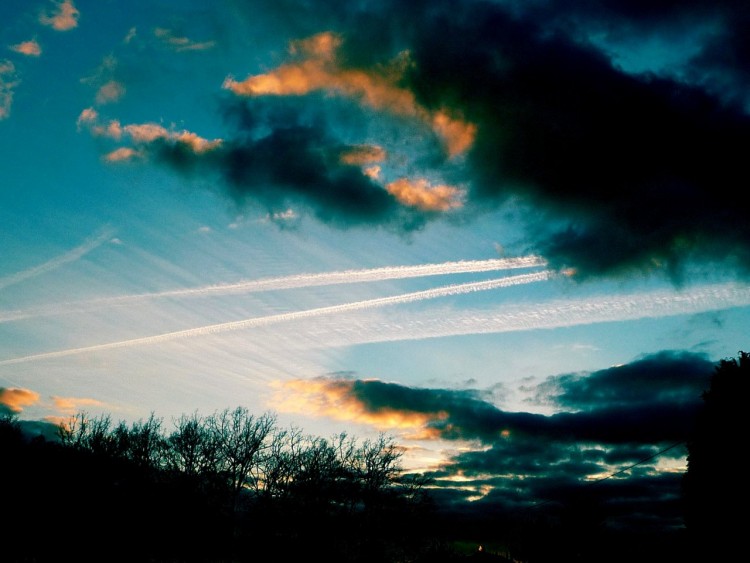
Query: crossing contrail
{"type": "Point", "coordinates": [288, 282]}
{"type": "Point", "coordinates": [443, 291]}
{"type": "Point", "coordinates": [70, 256]}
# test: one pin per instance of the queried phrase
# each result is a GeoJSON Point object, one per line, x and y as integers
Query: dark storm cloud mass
{"type": "Point", "coordinates": [616, 426]}
{"type": "Point", "coordinates": [281, 157]}
{"type": "Point", "coordinates": [623, 172]}
{"type": "Point", "coordinates": [639, 170]}
{"type": "Point", "coordinates": [650, 401]}
{"type": "Point", "coordinates": [663, 378]}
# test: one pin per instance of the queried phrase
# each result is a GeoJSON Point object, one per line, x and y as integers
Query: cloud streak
{"type": "Point", "coordinates": [292, 282]}
{"type": "Point", "coordinates": [8, 83]}
{"type": "Point", "coordinates": [548, 315]}
{"type": "Point", "coordinates": [457, 289]}
{"type": "Point", "coordinates": [70, 256]}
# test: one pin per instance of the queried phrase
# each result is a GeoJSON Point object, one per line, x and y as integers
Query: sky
{"type": "Point", "coordinates": [506, 233]}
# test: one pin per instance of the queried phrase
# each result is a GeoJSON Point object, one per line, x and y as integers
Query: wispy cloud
{"type": "Point", "coordinates": [292, 281]}
{"type": "Point", "coordinates": [546, 315]}
{"type": "Point", "coordinates": [29, 48]}
{"type": "Point", "coordinates": [63, 18]}
{"type": "Point", "coordinates": [72, 405]}
{"type": "Point", "coordinates": [65, 258]}
{"type": "Point", "coordinates": [181, 43]}
{"type": "Point", "coordinates": [208, 330]}
{"type": "Point", "coordinates": [110, 91]}
{"type": "Point", "coordinates": [8, 83]}
{"type": "Point", "coordinates": [108, 88]}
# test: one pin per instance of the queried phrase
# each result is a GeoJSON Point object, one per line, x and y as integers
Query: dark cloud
{"type": "Point", "coordinates": [635, 170]}
{"type": "Point", "coordinates": [663, 378]}
{"type": "Point", "coordinates": [617, 425]}
{"type": "Point", "coordinates": [653, 400]}
{"type": "Point", "coordinates": [620, 172]}
{"type": "Point", "coordinates": [280, 156]}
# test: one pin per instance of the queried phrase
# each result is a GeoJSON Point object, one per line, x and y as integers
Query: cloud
{"type": "Point", "coordinates": [667, 377]}
{"type": "Point", "coordinates": [148, 137]}
{"type": "Point", "coordinates": [63, 18]}
{"type": "Point", "coordinates": [72, 405]}
{"type": "Point", "coordinates": [8, 83]}
{"type": "Point", "coordinates": [110, 91]}
{"type": "Point", "coordinates": [180, 44]}
{"type": "Point", "coordinates": [13, 400]}
{"type": "Point", "coordinates": [121, 154]}
{"type": "Point", "coordinates": [444, 291]}
{"type": "Point", "coordinates": [29, 48]}
{"type": "Point", "coordinates": [420, 194]}
{"type": "Point", "coordinates": [624, 449]}
{"type": "Point", "coordinates": [614, 416]}
{"type": "Point", "coordinates": [621, 171]}
{"type": "Point", "coordinates": [320, 69]}
{"type": "Point", "coordinates": [363, 154]}
{"type": "Point", "coordinates": [287, 282]}
{"type": "Point", "coordinates": [337, 399]}
{"type": "Point", "coordinates": [54, 263]}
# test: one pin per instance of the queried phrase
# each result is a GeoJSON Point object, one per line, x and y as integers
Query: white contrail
{"type": "Point", "coordinates": [549, 315]}
{"type": "Point", "coordinates": [271, 319]}
{"type": "Point", "coordinates": [289, 282]}
{"type": "Point", "coordinates": [444, 291]}
{"type": "Point", "coordinates": [58, 261]}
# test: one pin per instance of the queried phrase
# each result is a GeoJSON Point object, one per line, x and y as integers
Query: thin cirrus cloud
{"type": "Point", "coordinates": [54, 263]}
{"type": "Point", "coordinates": [289, 282]}
{"type": "Point", "coordinates": [444, 291]}
{"type": "Point", "coordinates": [180, 43]}
{"type": "Point", "coordinates": [63, 17]}
{"type": "Point", "coordinates": [544, 315]}
{"type": "Point", "coordinates": [8, 83]}
{"type": "Point", "coordinates": [73, 405]}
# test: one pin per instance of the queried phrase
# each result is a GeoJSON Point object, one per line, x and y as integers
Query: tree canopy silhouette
{"type": "Point", "coordinates": [714, 478]}
{"type": "Point", "coordinates": [230, 486]}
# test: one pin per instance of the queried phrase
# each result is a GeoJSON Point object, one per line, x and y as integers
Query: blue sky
{"type": "Point", "coordinates": [284, 205]}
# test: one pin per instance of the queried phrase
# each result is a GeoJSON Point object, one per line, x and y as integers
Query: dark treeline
{"type": "Point", "coordinates": [234, 487]}
{"type": "Point", "coordinates": [230, 486]}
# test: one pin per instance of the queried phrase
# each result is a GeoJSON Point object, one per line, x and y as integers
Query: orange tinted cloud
{"type": "Point", "coordinates": [363, 154]}
{"type": "Point", "coordinates": [71, 405]}
{"type": "Point", "coordinates": [335, 399]}
{"type": "Point", "coordinates": [458, 135]}
{"type": "Point", "coordinates": [64, 17]}
{"type": "Point", "coordinates": [150, 132]}
{"type": "Point", "coordinates": [319, 69]}
{"type": "Point", "coordinates": [29, 48]}
{"type": "Point", "coordinates": [110, 91]}
{"type": "Point", "coordinates": [121, 154]}
{"type": "Point", "coordinates": [16, 399]}
{"type": "Point", "coordinates": [419, 194]}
